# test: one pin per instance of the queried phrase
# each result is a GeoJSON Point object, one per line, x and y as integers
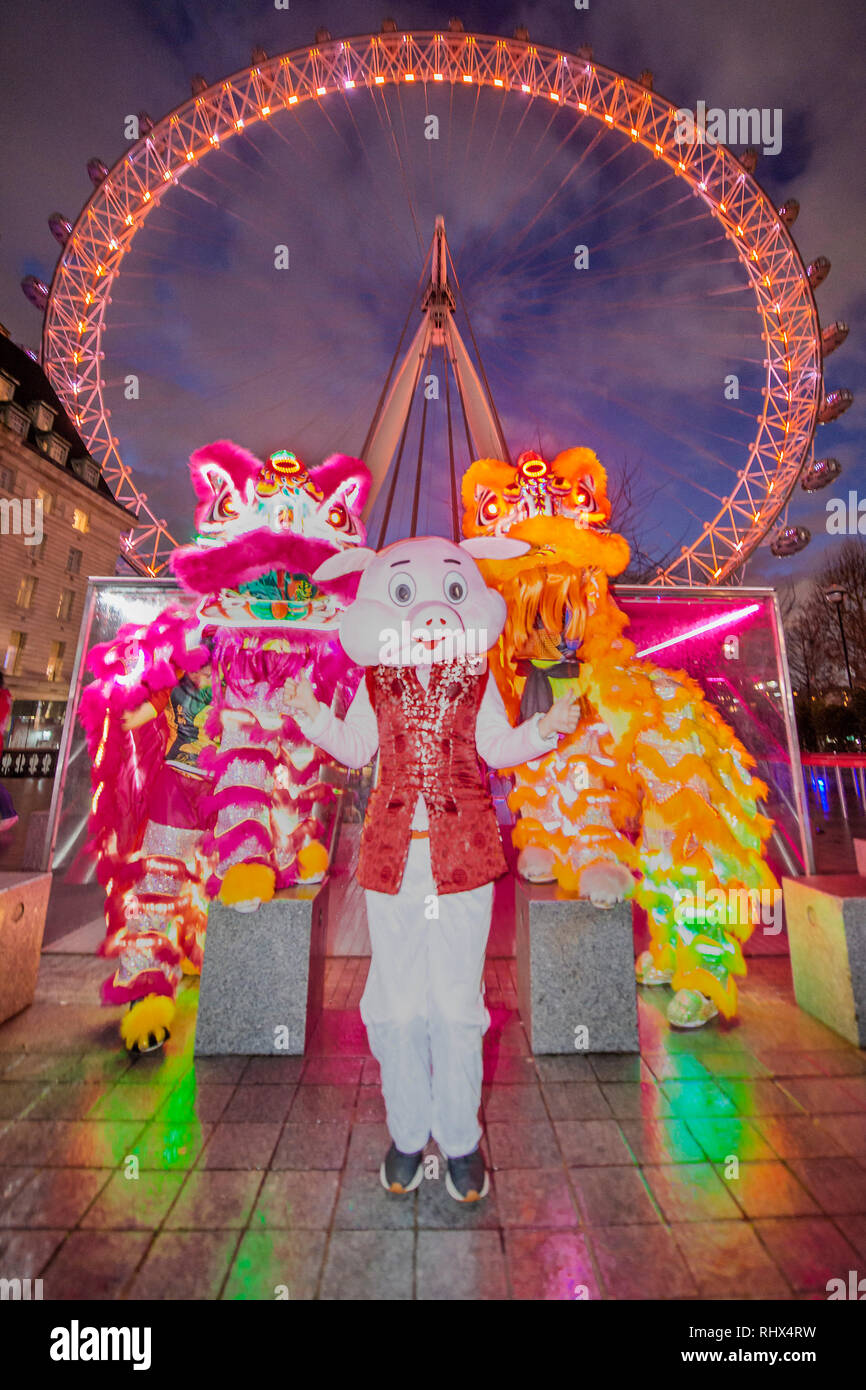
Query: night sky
{"type": "Point", "coordinates": [628, 357]}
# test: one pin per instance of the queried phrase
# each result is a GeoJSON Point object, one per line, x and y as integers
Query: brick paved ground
{"type": "Point", "coordinates": [720, 1163]}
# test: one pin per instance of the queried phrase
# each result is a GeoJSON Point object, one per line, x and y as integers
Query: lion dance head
{"type": "Point", "coordinates": [557, 593]}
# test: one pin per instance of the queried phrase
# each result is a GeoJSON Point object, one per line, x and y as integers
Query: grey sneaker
{"type": "Point", "coordinates": [401, 1173]}
{"type": "Point", "coordinates": [466, 1178]}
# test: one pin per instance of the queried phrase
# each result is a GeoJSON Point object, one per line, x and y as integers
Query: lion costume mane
{"type": "Point", "coordinates": [653, 779]}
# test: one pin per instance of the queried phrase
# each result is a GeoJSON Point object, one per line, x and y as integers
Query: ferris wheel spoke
{"type": "Point", "coordinates": [662, 425]}
{"type": "Point", "coordinates": [363, 212]}
{"type": "Point", "coordinates": [511, 207]}
{"type": "Point", "coordinates": [468, 142]}
{"type": "Point", "coordinates": [407, 186]}
{"type": "Point", "coordinates": [565, 266]}
{"type": "Point", "coordinates": [376, 177]}
{"type": "Point", "coordinates": [517, 234]}
{"type": "Point", "coordinates": [495, 172]}
{"type": "Point", "coordinates": [580, 223]}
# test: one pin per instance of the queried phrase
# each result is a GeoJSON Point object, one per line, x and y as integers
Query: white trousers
{"type": "Point", "coordinates": [424, 1009]}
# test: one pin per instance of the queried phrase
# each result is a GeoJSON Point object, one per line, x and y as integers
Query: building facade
{"type": "Point", "coordinates": [59, 524]}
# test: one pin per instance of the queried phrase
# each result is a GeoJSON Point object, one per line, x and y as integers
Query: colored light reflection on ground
{"type": "Point", "coordinates": [727, 1162]}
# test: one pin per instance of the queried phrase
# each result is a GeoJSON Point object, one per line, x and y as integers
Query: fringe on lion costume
{"type": "Point", "coordinates": [653, 796]}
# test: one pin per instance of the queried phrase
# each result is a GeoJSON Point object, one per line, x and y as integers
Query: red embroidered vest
{"type": "Point", "coordinates": [427, 748]}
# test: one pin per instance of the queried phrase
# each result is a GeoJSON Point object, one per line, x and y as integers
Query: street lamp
{"type": "Point", "coordinates": [836, 597]}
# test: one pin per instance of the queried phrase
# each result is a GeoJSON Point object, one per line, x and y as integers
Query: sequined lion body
{"type": "Point", "coordinates": [653, 796]}
{"type": "Point", "coordinates": [202, 787]}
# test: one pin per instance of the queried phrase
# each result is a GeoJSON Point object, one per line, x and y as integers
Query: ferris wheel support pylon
{"type": "Point", "coordinates": [93, 253]}
{"type": "Point", "coordinates": [437, 329]}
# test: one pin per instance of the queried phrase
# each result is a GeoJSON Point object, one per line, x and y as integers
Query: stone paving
{"type": "Point", "coordinates": [724, 1163]}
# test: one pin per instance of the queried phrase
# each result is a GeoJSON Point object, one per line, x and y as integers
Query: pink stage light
{"type": "Point", "coordinates": [724, 621]}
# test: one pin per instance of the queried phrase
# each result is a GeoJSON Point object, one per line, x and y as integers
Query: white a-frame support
{"type": "Point", "coordinates": [437, 329]}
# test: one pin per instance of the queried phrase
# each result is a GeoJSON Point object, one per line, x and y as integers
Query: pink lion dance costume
{"type": "Point", "coordinates": [202, 786]}
{"type": "Point", "coordinates": [430, 849]}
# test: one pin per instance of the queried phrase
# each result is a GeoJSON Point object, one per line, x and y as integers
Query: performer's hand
{"type": "Point", "coordinates": [134, 718]}
{"type": "Point", "coordinates": [562, 717]}
{"type": "Point", "coordinates": [300, 695]}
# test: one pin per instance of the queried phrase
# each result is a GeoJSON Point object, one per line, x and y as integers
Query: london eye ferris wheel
{"type": "Point", "coordinates": [686, 260]}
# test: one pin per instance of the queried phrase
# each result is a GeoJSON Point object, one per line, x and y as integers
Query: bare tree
{"type": "Point", "coordinates": [815, 653]}
{"type": "Point", "coordinates": [631, 493]}
{"type": "Point", "coordinates": [847, 570]}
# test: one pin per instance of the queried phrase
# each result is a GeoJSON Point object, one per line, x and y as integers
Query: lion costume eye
{"type": "Point", "coordinates": [402, 589]}
{"type": "Point", "coordinates": [488, 509]}
{"type": "Point", "coordinates": [340, 519]}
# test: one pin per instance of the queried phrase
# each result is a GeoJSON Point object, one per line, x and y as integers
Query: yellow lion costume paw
{"type": "Point", "coordinates": [313, 862]}
{"type": "Point", "coordinates": [145, 1026]}
{"type": "Point", "coordinates": [248, 884]}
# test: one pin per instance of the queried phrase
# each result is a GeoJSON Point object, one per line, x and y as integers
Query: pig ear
{"type": "Point", "coordinates": [494, 547]}
{"type": "Point", "coordinates": [348, 561]}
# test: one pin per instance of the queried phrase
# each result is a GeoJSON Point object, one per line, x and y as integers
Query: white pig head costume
{"type": "Point", "coordinates": [421, 601]}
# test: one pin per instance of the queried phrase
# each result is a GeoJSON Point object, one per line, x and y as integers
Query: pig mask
{"type": "Point", "coordinates": [421, 601]}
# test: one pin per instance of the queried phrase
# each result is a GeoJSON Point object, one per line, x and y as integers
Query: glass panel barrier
{"type": "Point", "coordinates": [729, 640]}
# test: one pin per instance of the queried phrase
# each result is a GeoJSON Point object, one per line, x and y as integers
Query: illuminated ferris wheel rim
{"type": "Point", "coordinates": [106, 226]}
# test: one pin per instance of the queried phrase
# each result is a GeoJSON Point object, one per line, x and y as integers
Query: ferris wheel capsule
{"type": "Point", "coordinates": [36, 291]}
{"type": "Point", "coordinates": [833, 336]}
{"type": "Point", "coordinates": [145, 123]}
{"type": "Point", "coordinates": [790, 541]}
{"type": "Point", "coordinates": [258, 55]}
{"type": "Point", "coordinates": [521, 34]}
{"type": "Point", "coordinates": [789, 211]}
{"type": "Point", "coordinates": [818, 270]}
{"type": "Point", "coordinates": [749, 160]}
{"type": "Point", "coordinates": [820, 473]}
{"type": "Point", "coordinates": [646, 79]}
{"type": "Point", "coordinates": [198, 83]}
{"type": "Point", "coordinates": [97, 171]}
{"type": "Point", "coordinates": [323, 35]}
{"type": "Point", "coordinates": [60, 227]}
{"type": "Point", "coordinates": [834, 405]}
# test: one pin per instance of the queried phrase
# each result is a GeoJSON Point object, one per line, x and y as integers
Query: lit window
{"type": "Point", "coordinates": [47, 500]}
{"type": "Point", "coordinates": [80, 521]}
{"type": "Point", "coordinates": [14, 653]}
{"type": "Point", "coordinates": [54, 669]}
{"type": "Point", "coordinates": [65, 604]}
{"type": "Point", "coordinates": [7, 480]}
{"type": "Point", "coordinates": [26, 590]}
{"type": "Point", "coordinates": [73, 561]}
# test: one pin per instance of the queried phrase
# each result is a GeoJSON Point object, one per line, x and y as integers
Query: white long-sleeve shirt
{"type": "Point", "coordinates": [354, 740]}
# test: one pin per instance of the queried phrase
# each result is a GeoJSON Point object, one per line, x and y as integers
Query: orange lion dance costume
{"type": "Point", "coordinates": [652, 797]}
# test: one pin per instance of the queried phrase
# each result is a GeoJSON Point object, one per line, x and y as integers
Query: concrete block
{"type": "Point", "coordinates": [262, 982]}
{"type": "Point", "coordinates": [23, 905]}
{"type": "Point", "coordinates": [826, 917]}
{"type": "Point", "coordinates": [575, 969]}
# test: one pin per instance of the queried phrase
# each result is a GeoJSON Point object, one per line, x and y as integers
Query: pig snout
{"type": "Point", "coordinates": [432, 624]}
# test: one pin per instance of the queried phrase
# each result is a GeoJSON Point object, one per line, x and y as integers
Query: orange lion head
{"type": "Point", "coordinates": [562, 509]}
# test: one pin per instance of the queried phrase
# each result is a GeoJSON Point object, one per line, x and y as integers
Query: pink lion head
{"type": "Point", "coordinates": [253, 517]}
